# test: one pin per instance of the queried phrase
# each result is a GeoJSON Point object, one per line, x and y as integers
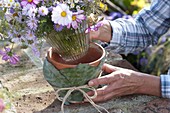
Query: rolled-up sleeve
{"type": "Point", "coordinates": [137, 34]}
{"type": "Point", "coordinates": [165, 85]}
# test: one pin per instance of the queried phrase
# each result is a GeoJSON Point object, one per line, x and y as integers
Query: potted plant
{"type": "Point", "coordinates": [64, 24]}
{"type": "Point", "coordinates": [61, 74]}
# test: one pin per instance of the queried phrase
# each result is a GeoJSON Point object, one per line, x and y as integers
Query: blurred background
{"type": "Point", "coordinates": [154, 59]}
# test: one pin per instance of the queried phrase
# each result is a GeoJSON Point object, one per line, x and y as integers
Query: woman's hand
{"type": "Point", "coordinates": [103, 33]}
{"type": "Point", "coordinates": [120, 82]}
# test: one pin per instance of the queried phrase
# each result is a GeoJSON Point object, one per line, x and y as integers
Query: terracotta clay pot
{"type": "Point", "coordinates": [62, 74]}
{"type": "Point", "coordinates": [94, 56]}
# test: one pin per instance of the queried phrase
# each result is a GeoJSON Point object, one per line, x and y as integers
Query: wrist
{"type": "Point", "coordinates": [150, 86]}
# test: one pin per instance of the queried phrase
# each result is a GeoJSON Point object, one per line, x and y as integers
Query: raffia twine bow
{"type": "Point", "coordinates": [79, 88]}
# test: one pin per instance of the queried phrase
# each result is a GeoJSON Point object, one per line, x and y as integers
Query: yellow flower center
{"type": "Point", "coordinates": [63, 14]}
{"type": "Point", "coordinates": [15, 14]}
{"type": "Point", "coordinates": [31, 35]}
{"type": "Point", "coordinates": [42, 11]}
{"type": "Point", "coordinates": [57, 26]}
{"type": "Point", "coordinates": [11, 1]}
{"type": "Point", "coordinates": [17, 5]}
{"type": "Point", "coordinates": [74, 17]}
{"type": "Point", "coordinates": [33, 21]}
{"type": "Point", "coordinates": [30, 1]}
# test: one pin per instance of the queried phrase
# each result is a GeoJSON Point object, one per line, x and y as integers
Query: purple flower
{"type": "Point", "coordinates": [12, 10]}
{"type": "Point", "coordinates": [30, 35]}
{"type": "Point", "coordinates": [50, 9]}
{"type": "Point", "coordinates": [114, 15]}
{"type": "Point", "coordinates": [25, 10]}
{"type": "Point", "coordinates": [163, 40]}
{"type": "Point", "coordinates": [16, 37]}
{"type": "Point", "coordinates": [7, 55]}
{"type": "Point", "coordinates": [32, 23]}
{"type": "Point", "coordinates": [94, 27]}
{"type": "Point", "coordinates": [127, 17]}
{"type": "Point", "coordinates": [143, 61]}
{"type": "Point", "coordinates": [136, 52]}
{"type": "Point", "coordinates": [35, 50]}
{"type": "Point", "coordinates": [58, 27]}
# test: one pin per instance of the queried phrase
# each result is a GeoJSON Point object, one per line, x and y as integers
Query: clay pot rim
{"type": "Point", "coordinates": [49, 56]}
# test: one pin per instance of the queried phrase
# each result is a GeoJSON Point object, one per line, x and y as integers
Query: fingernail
{"type": "Point", "coordinates": [91, 83]}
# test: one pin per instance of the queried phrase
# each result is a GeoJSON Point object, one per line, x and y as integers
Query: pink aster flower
{"type": "Point", "coordinates": [8, 55]}
{"type": "Point", "coordinates": [77, 18]}
{"type": "Point", "coordinates": [94, 27]}
{"type": "Point", "coordinates": [29, 3]}
{"type": "Point", "coordinates": [2, 106]}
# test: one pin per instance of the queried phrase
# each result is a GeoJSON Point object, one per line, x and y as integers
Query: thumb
{"type": "Point", "coordinates": [94, 34]}
{"type": "Point", "coordinates": [109, 68]}
{"type": "Point", "coordinates": [102, 80]}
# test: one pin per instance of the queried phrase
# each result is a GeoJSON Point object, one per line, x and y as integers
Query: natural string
{"type": "Point", "coordinates": [79, 88]}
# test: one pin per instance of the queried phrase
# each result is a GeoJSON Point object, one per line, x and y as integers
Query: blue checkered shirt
{"type": "Point", "coordinates": [137, 34]}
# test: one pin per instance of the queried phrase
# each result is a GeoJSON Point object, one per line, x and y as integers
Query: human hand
{"type": "Point", "coordinates": [120, 82]}
{"type": "Point", "coordinates": [103, 33]}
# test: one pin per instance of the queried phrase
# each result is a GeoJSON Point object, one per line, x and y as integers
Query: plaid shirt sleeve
{"type": "Point", "coordinates": [136, 34]}
{"type": "Point", "coordinates": [165, 85]}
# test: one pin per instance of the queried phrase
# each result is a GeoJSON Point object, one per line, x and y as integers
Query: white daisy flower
{"type": "Point", "coordinates": [11, 1]}
{"type": "Point", "coordinates": [72, 5]}
{"type": "Point", "coordinates": [32, 11]}
{"type": "Point", "coordinates": [43, 11]}
{"type": "Point", "coordinates": [17, 5]}
{"type": "Point", "coordinates": [8, 5]}
{"type": "Point", "coordinates": [61, 15]}
{"type": "Point", "coordinates": [68, 1]}
{"type": "Point", "coordinates": [76, 1]}
{"type": "Point", "coordinates": [25, 10]}
{"type": "Point", "coordinates": [8, 16]}
{"type": "Point", "coordinates": [78, 7]}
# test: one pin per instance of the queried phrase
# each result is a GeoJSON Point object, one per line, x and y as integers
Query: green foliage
{"type": "Point", "coordinates": [159, 60]}
{"type": "Point", "coordinates": [153, 60]}
{"type": "Point", "coordinates": [129, 6]}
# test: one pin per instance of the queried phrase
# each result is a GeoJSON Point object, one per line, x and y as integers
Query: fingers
{"type": "Point", "coordinates": [103, 32]}
{"type": "Point", "coordinates": [109, 68]}
{"type": "Point", "coordinates": [108, 92]}
{"type": "Point", "coordinates": [103, 80]}
{"type": "Point", "coordinates": [103, 94]}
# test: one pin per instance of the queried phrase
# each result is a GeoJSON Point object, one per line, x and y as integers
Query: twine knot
{"type": "Point", "coordinates": [87, 97]}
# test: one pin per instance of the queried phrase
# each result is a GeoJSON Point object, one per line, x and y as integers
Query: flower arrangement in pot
{"type": "Point", "coordinates": [64, 24]}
